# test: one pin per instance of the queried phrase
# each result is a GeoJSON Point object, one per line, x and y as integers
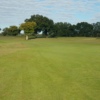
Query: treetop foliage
{"type": "Point", "coordinates": [28, 27]}
{"type": "Point", "coordinates": [38, 23]}
{"type": "Point", "coordinates": [11, 31]}
{"type": "Point", "coordinates": [44, 24]}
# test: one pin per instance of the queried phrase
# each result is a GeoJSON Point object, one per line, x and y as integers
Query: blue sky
{"type": "Point", "coordinates": [14, 12]}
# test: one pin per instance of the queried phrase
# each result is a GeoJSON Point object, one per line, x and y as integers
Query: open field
{"type": "Point", "coordinates": [49, 69]}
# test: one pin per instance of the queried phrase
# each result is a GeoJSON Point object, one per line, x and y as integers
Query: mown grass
{"type": "Point", "coordinates": [49, 69]}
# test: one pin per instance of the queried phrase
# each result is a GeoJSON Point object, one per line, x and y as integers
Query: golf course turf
{"type": "Point", "coordinates": [49, 68]}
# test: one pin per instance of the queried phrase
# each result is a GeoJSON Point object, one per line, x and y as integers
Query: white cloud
{"type": "Point", "coordinates": [16, 11]}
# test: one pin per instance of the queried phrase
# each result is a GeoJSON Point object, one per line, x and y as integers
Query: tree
{"type": "Point", "coordinates": [28, 28]}
{"type": "Point", "coordinates": [0, 32]}
{"type": "Point", "coordinates": [72, 31]}
{"type": "Point", "coordinates": [84, 29]}
{"type": "Point", "coordinates": [44, 24]}
{"type": "Point", "coordinates": [11, 31]}
{"type": "Point", "coordinates": [5, 31]}
{"type": "Point", "coordinates": [96, 29]}
{"type": "Point", "coordinates": [61, 29]}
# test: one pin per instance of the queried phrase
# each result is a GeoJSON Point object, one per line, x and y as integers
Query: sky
{"type": "Point", "coordinates": [14, 12]}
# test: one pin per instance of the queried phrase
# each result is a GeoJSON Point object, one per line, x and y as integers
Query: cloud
{"type": "Point", "coordinates": [14, 12]}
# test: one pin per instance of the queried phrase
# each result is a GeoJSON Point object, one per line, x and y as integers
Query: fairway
{"type": "Point", "coordinates": [49, 68]}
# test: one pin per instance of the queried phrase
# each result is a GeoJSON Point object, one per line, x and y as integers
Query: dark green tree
{"type": "Point", "coordinates": [84, 29]}
{"type": "Point", "coordinates": [96, 29]}
{"type": "Point", "coordinates": [5, 31]}
{"type": "Point", "coordinates": [61, 29]}
{"type": "Point", "coordinates": [0, 29]}
{"type": "Point", "coordinates": [11, 31]}
{"type": "Point", "coordinates": [44, 24]}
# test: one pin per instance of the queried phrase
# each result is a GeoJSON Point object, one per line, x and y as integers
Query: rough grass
{"type": "Point", "coordinates": [49, 69]}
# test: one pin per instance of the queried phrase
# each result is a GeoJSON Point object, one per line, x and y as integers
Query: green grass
{"type": "Point", "coordinates": [49, 69]}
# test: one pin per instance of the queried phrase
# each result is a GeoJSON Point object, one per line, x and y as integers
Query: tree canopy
{"type": "Point", "coordinates": [84, 29]}
{"type": "Point", "coordinates": [39, 23]}
{"type": "Point", "coordinates": [11, 31]}
{"type": "Point", "coordinates": [44, 24]}
{"type": "Point", "coordinates": [96, 29]}
{"type": "Point", "coordinates": [28, 27]}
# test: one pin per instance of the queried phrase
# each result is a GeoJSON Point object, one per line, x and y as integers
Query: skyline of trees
{"type": "Point", "coordinates": [50, 29]}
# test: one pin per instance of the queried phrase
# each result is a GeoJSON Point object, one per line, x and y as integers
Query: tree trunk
{"type": "Point", "coordinates": [26, 37]}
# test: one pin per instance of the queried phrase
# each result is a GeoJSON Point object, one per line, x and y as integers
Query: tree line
{"type": "Point", "coordinates": [38, 23]}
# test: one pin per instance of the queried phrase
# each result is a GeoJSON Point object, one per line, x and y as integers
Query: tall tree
{"type": "Point", "coordinates": [96, 29]}
{"type": "Point", "coordinates": [61, 29]}
{"type": "Point", "coordinates": [44, 24]}
{"type": "Point", "coordinates": [28, 28]}
{"type": "Point", "coordinates": [84, 29]}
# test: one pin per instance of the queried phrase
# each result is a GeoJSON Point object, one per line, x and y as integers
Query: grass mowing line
{"type": "Point", "coordinates": [26, 83]}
